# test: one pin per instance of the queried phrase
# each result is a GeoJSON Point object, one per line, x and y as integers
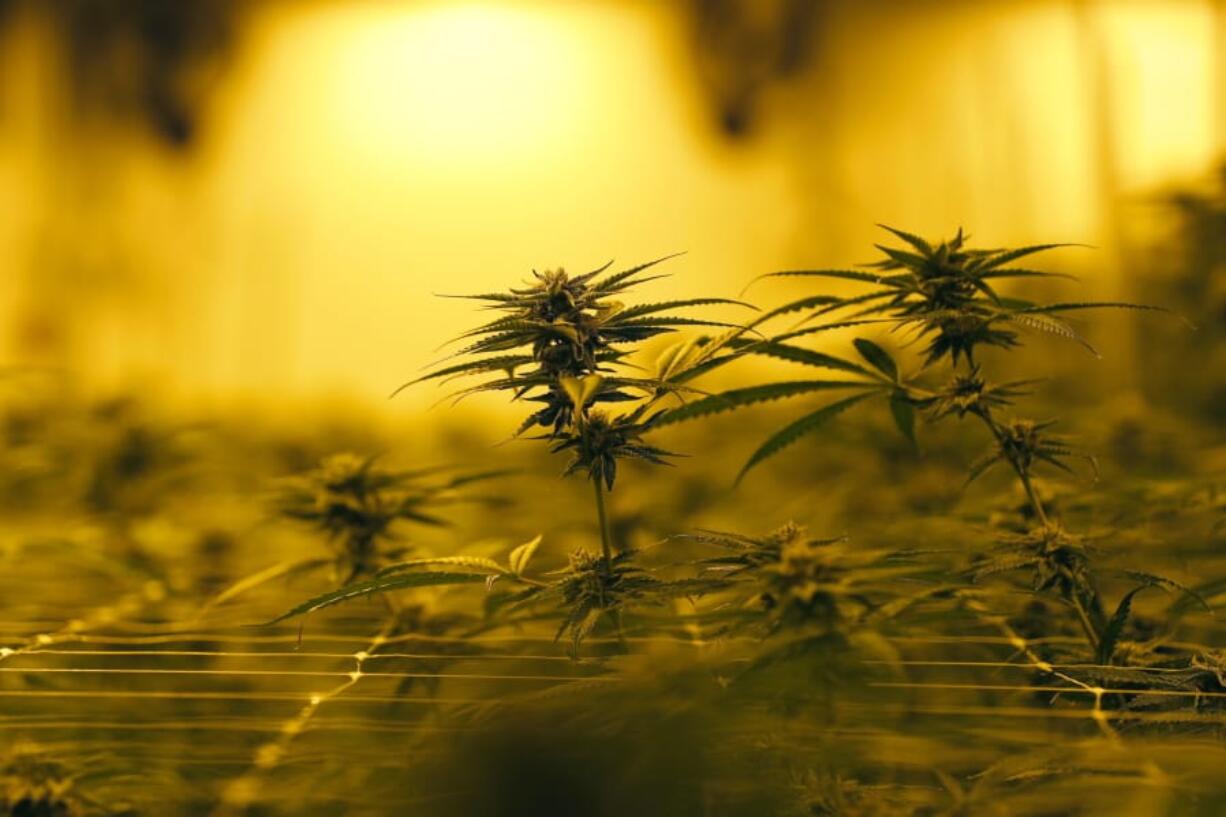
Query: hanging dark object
{"type": "Point", "coordinates": [741, 47]}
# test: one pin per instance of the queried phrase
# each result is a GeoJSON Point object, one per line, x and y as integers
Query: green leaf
{"type": "Point", "coordinates": [1052, 326]}
{"type": "Point", "coordinates": [1000, 259]}
{"type": "Point", "coordinates": [905, 259]}
{"type": "Point", "coordinates": [738, 398]}
{"type": "Point", "coordinates": [522, 555]}
{"type": "Point", "coordinates": [1168, 584]}
{"type": "Point", "coordinates": [1111, 635]}
{"type": "Point", "coordinates": [663, 306]}
{"type": "Point", "coordinates": [830, 327]}
{"type": "Point", "coordinates": [797, 354]}
{"type": "Point", "coordinates": [581, 390]}
{"type": "Point", "coordinates": [1079, 305]}
{"type": "Point", "coordinates": [914, 240]}
{"type": "Point", "coordinates": [879, 358]}
{"type": "Point", "coordinates": [805, 425]}
{"type": "Point", "coordinates": [474, 562]}
{"type": "Point", "coordinates": [369, 587]}
{"type": "Point", "coordinates": [802, 304]}
{"type": "Point", "coordinates": [980, 466]}
{"type": "Point", "coordinates": [903, 413]}
{"type": "Point", "coordinates": [621, 280]}
{"type": "Point", "coordinates": [1018, 272]}
{"type": "Point", "coordinates": [844, 274]}
{"type": "Point", "coordinates": [490, 364]}
{"type": "Point", "coordinates": [277, 571]}
{"type": "Point", "coordinates": [668, 321]}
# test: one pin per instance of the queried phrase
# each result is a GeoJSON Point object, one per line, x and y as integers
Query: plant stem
{"type": "Point", "coordinates": [1086, 624]}
{"type": "Point", "coordinates": [1035, 502]}
{"type": "Point", "coordinates": [606, 548]}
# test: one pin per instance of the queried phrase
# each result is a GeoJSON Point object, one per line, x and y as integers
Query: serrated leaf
{"type": "Point", "coordinates": [663, 306]}
{"type": "Point", "coordinates": [844, 274]}
{"type": "Point", "coordinates": [1018, 272]}
{"type": "Point", "coordinates": [1166, 583]}
{"type": "Point", "coordinates": [877, 357]}
{"type": "Point", "coordinates": [903, 413]}
{"type": "Point", "coordinates": [791, 433]}
{"type": "Point", "coordinates": [797, 354]}
{"type": "Point", "coordinates": [995, 260]}
{"type": "Point", "coordinates": [369, 587]}
{"type": "Point", "coordinates": [1079, 305]}
{"type": "Point", "coordinates": [581, 390]}
{"type": "Point", "coordinates": [1111, 635]}
{"type": "Point", "coordinates": [902, 257]}
{"type": "Point", "coordinates": [520, 557]}
{"type": "Point", "coordinates": [620, 280]}
{"type": "Point", "coordinates": [475, 562]}
{"type": "Point", "coordinates": [277, 571]}
{"type": "Point", "coordinates": [739, 398]}
{"type": "Point", "coordinates": [914, 240]}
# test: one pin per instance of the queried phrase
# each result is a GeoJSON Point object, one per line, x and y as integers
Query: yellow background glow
{"type": "Point", "coordinates": [362, 156]}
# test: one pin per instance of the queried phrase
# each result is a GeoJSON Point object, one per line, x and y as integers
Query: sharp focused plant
{"type": "Point", "coordinates": [945, 295]}
{"type": "Point", "coordinates": [564, 342]}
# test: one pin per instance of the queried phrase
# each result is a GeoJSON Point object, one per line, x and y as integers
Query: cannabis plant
{"type": "Point", "coordinates": [33, 784]}
{"type": "Point", "coordinates": [786, 579]}
{"type": "Point", "coordinates": [564, 343]}
{"type": "Point", "coordinates": [358, 505]}
{"type": "Point", "coordinates": [810, 592]}
{"type": "Point", "coordinates": [944, 295]}
{"type": "Point", "coordinates": [28, 787]}
{"type": "Point", "coordinates": [589, 588]}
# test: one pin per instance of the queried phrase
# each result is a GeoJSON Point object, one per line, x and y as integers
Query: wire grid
{"type": "Point", "coordinates": [241, 711]}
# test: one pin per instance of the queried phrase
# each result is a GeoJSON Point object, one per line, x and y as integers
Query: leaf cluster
{"type": "Point", "coordinates": [563, 342]}
{"type": "Point", "coordinates": [355, 502]}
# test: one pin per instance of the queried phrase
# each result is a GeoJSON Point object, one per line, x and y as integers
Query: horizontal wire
{"type": "Point", "coordinates": [1178, 716]}
{"type": "Point", "coordinates": [188, 726]}
{"type": "Point", "coordinates": [296, 673]}
{"type": "Point", "coordinates": [304, 654]}
{"type": "Point", "coordinates": [239, 695]}
{"type": "Point", "coordinates": [1093, 690]}
{"type": "Point", "coordinates": [1026, 666]}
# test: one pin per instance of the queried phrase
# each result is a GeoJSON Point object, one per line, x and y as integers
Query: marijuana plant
{"type": "Point", "coordinates": [944, 294]}
{"type": "Point", "coordinates": [564, 343]}
{"type": "Point", "coordinates": [34, 784]}
{"type": "Point", "coordinates": [358, 505]}
{"type": "Point", "coordinates": [810, 592]}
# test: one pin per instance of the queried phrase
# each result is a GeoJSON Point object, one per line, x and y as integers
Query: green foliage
{"type": "Point", "coordinates": [991, 657]}
{"type": "Point", "coordinates": [1023, 444]}
{"type": "Point", "coordinates": [31, 786]}
{"type": "Point", "coordinates": [788, 581]}
{"type": "Point", "coordinates": [942, 292]}
{"type": "Point", "coordinates": [356, 503]}
{"type": "Point", "coordinates": [34, 784]}
{"type": "Point", "coordinates": [564, 342]}
{"type": "Point", "coordinates": [379, 584]}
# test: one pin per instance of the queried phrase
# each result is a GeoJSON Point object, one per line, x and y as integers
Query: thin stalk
{"type": "Point", "coordinates": [1086, 624]}
{"type": "Point", "coordinates": [602, 517]}
{"type": "Point", "coordinates": [606, 549]}
{"type": "Point", "coordinates": [1035, 502]}
{"type": "Point", "coordinates": [1039, 511]}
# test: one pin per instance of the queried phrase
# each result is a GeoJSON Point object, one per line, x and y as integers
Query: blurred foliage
{"type": "Point", "coordinates": [1189, 275]}
{"type": "Point", "coordinates": [916, 643]}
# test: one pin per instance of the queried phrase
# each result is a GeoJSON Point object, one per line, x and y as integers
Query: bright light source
{"type": "Point", "coordinates": [457, 84]}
